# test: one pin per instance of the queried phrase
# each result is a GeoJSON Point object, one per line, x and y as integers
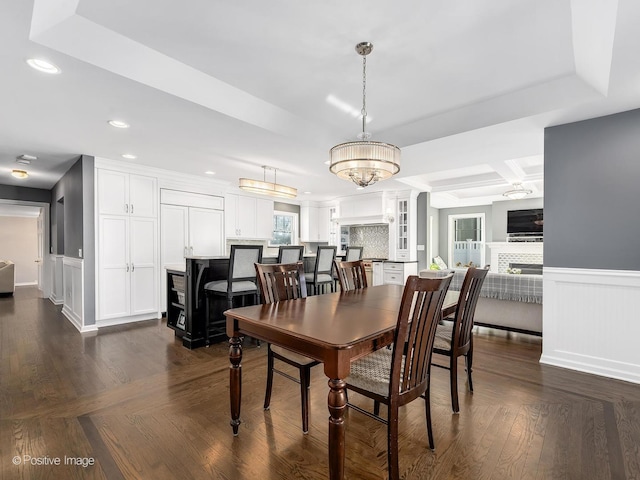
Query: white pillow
{"type": "Point", "coordinates": [438, 261]}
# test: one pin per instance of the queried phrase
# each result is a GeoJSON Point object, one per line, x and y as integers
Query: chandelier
{"type": "Point", "coordinates": [268, 188]}
{"type": "Point", "coordinates": [364, 162]}
{"type": "Point", "coordinates": [518, 192]}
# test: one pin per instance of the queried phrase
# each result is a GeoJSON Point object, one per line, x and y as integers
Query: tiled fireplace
{"type": "Point", "coordinates": [505, 254]}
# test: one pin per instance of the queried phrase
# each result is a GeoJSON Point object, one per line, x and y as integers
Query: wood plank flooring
{"type": "Point", "coordinates": [143, 407]}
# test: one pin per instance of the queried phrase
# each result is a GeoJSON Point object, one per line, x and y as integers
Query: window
{"type": "Point", "coordinates": [466, 240]}
{"type": "Point", "coordinates": [285, 229]}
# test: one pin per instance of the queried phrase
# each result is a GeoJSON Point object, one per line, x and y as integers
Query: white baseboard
{"type": "Point", "coordinates": [123, 320]}
{"type": "Point", "coordinates": [56, 301]}
{"type": "Point", "coordinates": [590, 322]}
{"type": "Point", "coordinates": [26, 284]}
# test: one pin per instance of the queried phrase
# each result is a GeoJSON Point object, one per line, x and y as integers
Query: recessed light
{"type": "Point", "coordinates": [129, 156]}
{"type": "Point", "coordinates": [328, 162]}
{"type": "Point", "coordinates": [43, 66]}
{"type": "Point", "coordinates": [118, 124]}
{"type": "Point", "coordinates": [209, 172]}
{"type": "Point", "coordinates": [26, 159]}
{"type": "Point", "coordinates": [307, 193]}
{"type": "Point", "coordinates": [19, 173]}
{"type": "Point", "coordinates": [359, 188]}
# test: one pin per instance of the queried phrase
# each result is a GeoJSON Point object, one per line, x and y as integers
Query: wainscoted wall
{"type": "Point", "coordinates": [590, 322]}
{"type": "Point", "coordinates": [73, 281]}
{"type": "Point", "coordinates": [57, 290]}
{"type": "Point", "coordinates": [374, 239]}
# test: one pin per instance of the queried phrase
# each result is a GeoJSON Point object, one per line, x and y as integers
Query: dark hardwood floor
{"type": "Point", "coordinates": [143, 407]}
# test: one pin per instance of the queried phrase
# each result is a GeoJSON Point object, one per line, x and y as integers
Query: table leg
{"type": "Point", "coordinates": [337, 406]}
{"type": "Point", "coordinates": [235, 381]}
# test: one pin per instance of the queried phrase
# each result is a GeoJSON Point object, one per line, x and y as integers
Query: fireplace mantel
{"type": "Point", "coordinates": [502, 253]}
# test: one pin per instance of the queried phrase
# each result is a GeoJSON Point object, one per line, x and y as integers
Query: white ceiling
{"type": "Point", "coordinates": [465, 88]}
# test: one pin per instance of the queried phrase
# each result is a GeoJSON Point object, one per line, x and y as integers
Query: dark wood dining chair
{"type": "Point", "coordinates": [353, 253]}
{"type": "Point", "coordinates": [322, 274]}
{"type": "Point", "coordinates": [280, 282]}
{"type": "Point", "coordinates": [351, 275]}
{"type": "Point", "coordinates": [290, 253]}
{"type": "Point", "coordinates": [399, 375]}
{"type": "Point", "coordinates": [455, 339]}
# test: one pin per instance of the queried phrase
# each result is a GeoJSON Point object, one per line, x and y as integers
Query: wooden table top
{"type": "Point", "coordinates": [334, 320]}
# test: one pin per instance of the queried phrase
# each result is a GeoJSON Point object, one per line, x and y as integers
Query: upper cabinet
{"type": "Point", "coordinates": [315, 224]}
{"type": "Point", "coordinates": [406, 227]}
{"type": "Point", "coordinates": [248, 217]}
{"type": "Point", "coordinates": [122, 193]}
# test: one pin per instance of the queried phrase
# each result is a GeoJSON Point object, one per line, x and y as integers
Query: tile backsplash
{"type": "Point", "coordinates": [374, 239]}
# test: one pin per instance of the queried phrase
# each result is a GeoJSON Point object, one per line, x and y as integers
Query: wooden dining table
{"type": "Point", "coordinates": [334, 328]}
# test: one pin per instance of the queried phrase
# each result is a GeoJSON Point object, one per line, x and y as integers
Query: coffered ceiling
{"type": "Point", "coordinates": [464, 88]}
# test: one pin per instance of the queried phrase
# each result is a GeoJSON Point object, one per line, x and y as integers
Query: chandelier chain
{"type": "Point", "coordinates": [364, 93]}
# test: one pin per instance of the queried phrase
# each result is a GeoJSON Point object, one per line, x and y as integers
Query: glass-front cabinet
{"type": "Point", "coordinates": [402, 229]}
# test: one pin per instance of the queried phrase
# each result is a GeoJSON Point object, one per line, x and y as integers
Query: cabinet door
{"type": "Point", "coordinates": [142, 196]}
{"type": "Point", "coordinates": [174, 224]}
{"type": "Point", "coordinates": [246, 218]}
{"type": "Point", "coordinates": [205, 232]}
{"type": "Point", "coordinates": [114, 287]}
{"type": "Point", "coordinates": [309, 224]}
{"type": "Point", "coordinates": [144, 286]}
{"type": "Point", "coordinates": [324, 220]}
{"type": "Point", "coordinates": [264, 218]}
{"type": "Point", "coordinates": [113, 192]}
{"type": "Point", "coordinates": [230, 216]}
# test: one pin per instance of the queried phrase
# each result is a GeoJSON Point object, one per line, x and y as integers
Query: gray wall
{"type": "Point", "coordinates": [69, 188]}
{"type": "Point", "coordinates": [88, 239]}
{"type": "Point", "coordinates": [592, 193]}
{"type": "Point", "coordinates": [11, 192]}
{"type": "Point", "coordinates": [423, 204]}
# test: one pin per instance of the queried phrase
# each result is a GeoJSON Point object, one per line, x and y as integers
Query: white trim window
{"type": "Point", "coordinates": [467, 240]}
{"type": "Point", "coordinates": [285, 229]}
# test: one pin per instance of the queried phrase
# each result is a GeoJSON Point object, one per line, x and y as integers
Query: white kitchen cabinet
{"type": "Point", "coordinates": [127, 270]}
{"type": "Point", "coordinates": [127, 266]}
{"type": "Point", "coordinates": [378, 273]}
{"type": "Point", "coordinates": [248, 217]}
{"type": "Point", "coordinates": [315, 224]}
{"type": "Point", "coordinates": [190, 231]}
{"type": "Point", "coordinates": [396, 273]}
{"type": "Point", "coordinates": [122, 193]}
{"type": "Point", "coordinates": [406, 228]}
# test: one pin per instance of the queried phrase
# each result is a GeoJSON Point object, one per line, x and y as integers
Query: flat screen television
{"type": "Point", "coordinates": [525, 221]}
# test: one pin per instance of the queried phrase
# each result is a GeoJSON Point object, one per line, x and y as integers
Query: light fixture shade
{"type": "Point", "coordinates": [518, 192]}
{"type": "Point", "coordinates": [268, 188]}
{"type": "Point", "coordinates": [364, 162]}
{"type": "Point", "coordinates": [19, 173]}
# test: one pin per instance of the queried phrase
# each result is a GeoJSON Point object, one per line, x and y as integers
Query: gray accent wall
{"type": "Point", "coordinates": [592, 193]}
{"type": "Point", "coordinates": [423, 225]}
{"type": "Point", "coordinates": [68, 192]}
{"type": "Point", "coordinates": [88, 238]}
{"type": "Point", "coordinates": [25, 194]}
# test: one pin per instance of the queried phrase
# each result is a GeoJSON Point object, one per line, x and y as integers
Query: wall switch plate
{"type": "Point", "coordinates": [80, 252]}
{"type": "Point", "coordinates": [421, 248]}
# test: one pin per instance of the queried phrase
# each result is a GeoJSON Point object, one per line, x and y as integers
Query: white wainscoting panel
{"type": "Point", "coordinates": [57, 289]}
{"type": "Point", "coordinates": [591, 321]}
{"type": "Point", "coordinates": [73, 281]}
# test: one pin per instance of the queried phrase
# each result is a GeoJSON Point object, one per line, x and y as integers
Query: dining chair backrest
{"type": "Point", "coordinates": [290, 253]}
{"type": "Point", "coordinates": [324, 259]}
{"type": "Point", "coordinates": [418, 317]}
{"type": "Point", "coordinates": [351, 275]}
{"type": "Point", "coordinates": [242, 260]}
{"type": "Point", "coordinates": [281, 281]}
{"type": "Point", "coordinates": [465, 311]}
{"type": "Point", "coordinates": [353, 254]}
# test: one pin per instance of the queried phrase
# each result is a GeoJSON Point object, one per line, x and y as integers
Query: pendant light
{"type": "Point", "coordinates": [364, 162]}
